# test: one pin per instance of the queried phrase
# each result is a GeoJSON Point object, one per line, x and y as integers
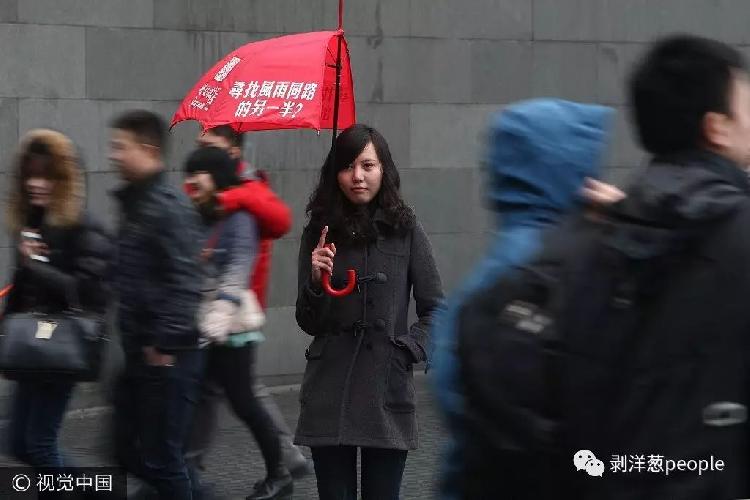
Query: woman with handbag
{"type": "Point", "coordinates": [231, 317]}
{"type": "Point", "coordinates": [358, 388]}
{"type": "Point", "coordinates": [60, 267]}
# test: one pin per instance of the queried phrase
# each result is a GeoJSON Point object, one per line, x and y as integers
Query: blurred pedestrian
{"type": "Point", "coordinates": [255, 196]}
{"type": "Point", "coordinates": [626, 338]}
{"type": "Point", "coordinates": [61, 260]}
{"type": "Point", "coordinates": [679, 378]}
{"type": "Point", "coordinates": [540, 155]}
{"type": "Point", "coordinates": [232, 242]}
{"type": "Point", "coordinates": [158, 280]}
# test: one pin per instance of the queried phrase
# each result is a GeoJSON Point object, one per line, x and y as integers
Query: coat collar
{"type": "Point", "coordinates": [725, 168]}
{"type": "Point", "coordinates": [134, 191]}
{"type": "Point", "coordinates": [379, 217]}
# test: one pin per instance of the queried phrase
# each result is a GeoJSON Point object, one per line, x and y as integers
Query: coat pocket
{"type": "Point", "coordinates": [316, 349]}
{"type": "Point", "coordinates": [399, 383]}
{"type": "Point", "coordinates": [311, 379]}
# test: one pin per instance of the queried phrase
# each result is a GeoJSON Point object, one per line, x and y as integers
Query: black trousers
{"type": "Point", "coordinates": [336, 472]}
{"type": "Point", "coordinates": [153, 409]}
{"type": "Point", "coordinates": [232, 369]}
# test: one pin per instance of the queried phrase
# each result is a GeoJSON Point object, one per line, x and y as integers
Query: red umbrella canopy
{"type": "Point", "coordinates": [281, 83]}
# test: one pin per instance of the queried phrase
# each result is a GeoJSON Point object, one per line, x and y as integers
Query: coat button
{"type": "Point", "coordinates": [380, 324]}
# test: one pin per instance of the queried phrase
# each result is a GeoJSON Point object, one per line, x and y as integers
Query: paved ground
{"type": "Point", "coordinates": [235, 462]}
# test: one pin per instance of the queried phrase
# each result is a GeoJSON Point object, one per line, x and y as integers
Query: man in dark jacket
{"type": "Point", "coordinates": [157, 277]}
{"type": "Point", "coordinates": [657, 375]}
{"type": "Point", "coordinates": [680, 387]}
{"type": "Point", "coordinates": [654, 365]}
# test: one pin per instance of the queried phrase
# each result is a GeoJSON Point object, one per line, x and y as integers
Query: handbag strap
{"type": "Point", "coordinates": [212, 241]}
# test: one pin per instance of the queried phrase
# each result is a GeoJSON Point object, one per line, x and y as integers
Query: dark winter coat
{"type": "Point", "coordinates": [74, 276]}
{"type": "Point", "coordinates": [683, 378]}
{"type": "Point", "coordinates": [358, 387]}
{"type": "Point", "coordinates": [157, 273]}
{"type": "Point", "coordinates": [79, 248]}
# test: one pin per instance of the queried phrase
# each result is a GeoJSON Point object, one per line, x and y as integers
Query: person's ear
{"type": "Point", "coordinates": [716, 130]}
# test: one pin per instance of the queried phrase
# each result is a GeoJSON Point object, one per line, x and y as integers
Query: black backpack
{"type": "Point", "coordinates": [547, 356]}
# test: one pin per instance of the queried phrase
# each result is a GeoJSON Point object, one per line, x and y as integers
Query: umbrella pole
{"type": "Point", "coordinates": [337, 92]}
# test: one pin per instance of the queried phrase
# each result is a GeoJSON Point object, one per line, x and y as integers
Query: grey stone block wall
{"type": "Point", "coordinates": [428, 73]}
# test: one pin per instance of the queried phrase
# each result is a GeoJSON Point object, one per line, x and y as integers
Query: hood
{"type": "Point", "coordinates": [539, 153]}
{"type": "Point", "coordinates": [68, 195]}
{"type": "Point", "coordinates": [677, 199]}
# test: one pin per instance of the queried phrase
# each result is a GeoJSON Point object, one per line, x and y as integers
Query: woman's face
{"type": "Point", "coordinates": [200, 187]}
{"type": "Point", "coordinates": [39, 191]}
{"type": "Point", "coordinates": [361, 180]}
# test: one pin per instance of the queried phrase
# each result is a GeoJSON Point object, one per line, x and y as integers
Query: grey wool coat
{"type": "Point", "coordinates": [358, 388]}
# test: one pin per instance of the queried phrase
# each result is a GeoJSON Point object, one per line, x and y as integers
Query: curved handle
{"type": "Point", "coordinates": [351, 283]}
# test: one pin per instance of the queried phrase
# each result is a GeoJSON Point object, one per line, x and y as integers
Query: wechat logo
{"type": "Point", "coordinates": [586, 460]}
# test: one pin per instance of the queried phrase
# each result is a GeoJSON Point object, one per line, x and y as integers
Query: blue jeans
{"type": "Point", "coordinates": [336, 472]}
{"type": "Point", "coordinates": [37, 414]}
{"type": "Point", "coordinates": [153, 411]}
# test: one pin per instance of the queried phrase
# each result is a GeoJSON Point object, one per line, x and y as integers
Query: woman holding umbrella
{"type": "Point", "coordinates": [358, 390]}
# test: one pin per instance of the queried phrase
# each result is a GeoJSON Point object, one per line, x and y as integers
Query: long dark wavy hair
{"type": "Point", "coordinates": [329, 206]}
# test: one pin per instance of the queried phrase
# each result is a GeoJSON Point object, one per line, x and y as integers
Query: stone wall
{"type": "Point", "coordinates": [427, 73]}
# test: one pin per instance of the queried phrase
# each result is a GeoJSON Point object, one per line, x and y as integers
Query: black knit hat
{"type": "Point", "coordinates": [217, 163]}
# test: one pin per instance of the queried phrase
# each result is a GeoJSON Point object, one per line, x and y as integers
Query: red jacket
{"type": "Point", "coordinates": [274, 219]}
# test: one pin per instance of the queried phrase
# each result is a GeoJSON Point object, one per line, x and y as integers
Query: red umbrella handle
{"type": "Point", "coordinates": [351, 283]}
{"type": "Point", "coordinates": [5, 290]}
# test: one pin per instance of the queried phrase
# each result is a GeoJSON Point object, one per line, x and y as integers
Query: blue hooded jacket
{"type": "Point", "coordinates": [539, 153]}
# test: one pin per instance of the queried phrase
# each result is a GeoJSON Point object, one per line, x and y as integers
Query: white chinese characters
{"type": "Point", "coordinates": [228, 67]}
{"type": "Point", "coordinates": [207, 94]}
{"type": "Point", "coordinates": [64, 483]}
{"type": "Point", "coordinates": [255, 97]}
{"type": "Point", "coordinates": [658, 464]}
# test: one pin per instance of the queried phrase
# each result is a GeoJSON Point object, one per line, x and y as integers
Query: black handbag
{"type": "Point", "coordinates": [67, 345]}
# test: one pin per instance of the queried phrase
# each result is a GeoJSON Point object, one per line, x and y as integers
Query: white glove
{"type": "Point", "coordinates": [217, 321]}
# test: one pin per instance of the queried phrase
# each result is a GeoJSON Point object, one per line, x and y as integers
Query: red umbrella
{"type": "Point", "coordinates": [294, 81]}
{"type": "Point", "coordinates": [282, 83]}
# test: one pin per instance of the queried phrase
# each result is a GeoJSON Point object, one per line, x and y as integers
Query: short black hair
{"type": "Point", "coordinates": [148, 127]}
{"type": "Point", "coordinates": [217, 163]}
{"type": "Point", "coordinates": [678, 81]}
{"type": "Point", "coordinates": [235, 138]}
